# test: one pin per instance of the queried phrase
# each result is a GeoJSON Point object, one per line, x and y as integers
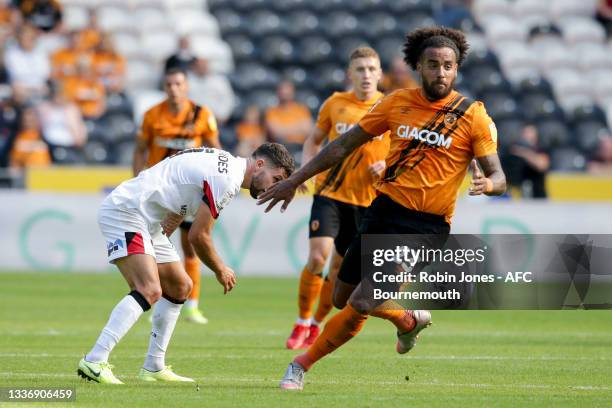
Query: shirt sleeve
{"type": "Point", "coordinates": [375, 121]}
{"type": "Point", "coordinates": [219, 190]}
{"type": "Point", "coordinates": [210, 130]}
{"type": "Point", "coordinates": [324, 116]}
{"type": "Point", "coordinates": [145, 134]}
{"type": "Point", "coordinates": [484, 132]}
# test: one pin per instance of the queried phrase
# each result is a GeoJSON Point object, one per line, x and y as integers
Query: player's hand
{"type": "Point", "coordinates": [480, 184]}
{"type": "Point", "coordinates": [171, 223]}
{"type": "Point", "coordinates": [283, 190]}
{"type": "Point", "coordinates": [377, 168]}
{"type": "Point", "coordinates": [227, 279]}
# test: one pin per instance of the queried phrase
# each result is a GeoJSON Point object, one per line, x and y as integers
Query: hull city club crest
{"type": "Point", "coordinates": [450, 118]}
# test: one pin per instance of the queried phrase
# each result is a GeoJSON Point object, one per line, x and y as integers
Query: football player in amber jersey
{"type": "Point", "coordinates": [341, 194]}
{"type": "Point", "coordinates": [435, 135]}
{"type": "Point", "coordinates": [176, 124]}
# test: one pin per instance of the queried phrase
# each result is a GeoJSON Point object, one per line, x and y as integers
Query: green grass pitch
{"type": "Point", "coordinates": [49, 320]}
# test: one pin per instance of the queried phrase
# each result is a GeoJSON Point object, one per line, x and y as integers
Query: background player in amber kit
{"type": "Point", "coordinates": [176, 124]}
{"type": "Point", "coordinates": [341, 194]}
{"type": "Point", "coordinates": [435, 134]}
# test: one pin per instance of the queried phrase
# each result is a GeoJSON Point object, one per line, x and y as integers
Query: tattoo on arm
{"type": "Point", "coordinates": [492, 169]}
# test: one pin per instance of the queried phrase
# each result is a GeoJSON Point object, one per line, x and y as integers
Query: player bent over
{"type": "Point", "coordinates": [341, 194]}
{"type": "Point", "coordinates": [435, 134]}
{"type": "Point", "coordinates": [136, 220]}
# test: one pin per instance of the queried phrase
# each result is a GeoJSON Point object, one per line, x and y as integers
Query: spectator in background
{"type": "Point", "coordinates": [89, 38]}
{"type": "Point", "coordinates": [29, 148]}
{"type": "Point", "coordinates": [65, 60]}
{"type": "Point", "coordinates": [450, 13]}
{"type": "Point", "coordinates": [211, 90]}
{"type": "Point", "coordinates": [398, 77]}
{"type": "Point", "coordinates": [601, 163]}
{"type": "Point", "coordinates": [86, 90]}
{"type": "Point", "coordinates": [289, 122]}
{"type": "Point", "coordinates": [61, 122]}
{"type": "Point", "coordinates": [527, 165]}
{"type": "Point", "coordinates": [249, 132]}
{"type": "Point", "coordinates": [108, 65]}
{"type": "Point", "coordinates": [27, 65]}
{"type": "Point", "coordinates": [604, 15]}
{"type": "Point", "coordinates": [183, 57]}
{"type": "Point", "coordinates": [9, 124]}
{"type": "Point", "coordinates": [8, 20]}
{"type": "Point", "coordinates": [42, 14]}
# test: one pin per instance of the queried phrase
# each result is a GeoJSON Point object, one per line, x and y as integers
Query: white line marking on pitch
{"type": "Point", "coordinates": [276, 356]}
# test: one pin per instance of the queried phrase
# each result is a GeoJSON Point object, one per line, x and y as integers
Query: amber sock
{"type": "Point", "coordinates": [342, 327]}
{"type": "Point", "coordinates": [310, 286]}
{"type": "Point", "coordinates": [192, 267]}
{"type": "Point", "coordinates": [325, 301]}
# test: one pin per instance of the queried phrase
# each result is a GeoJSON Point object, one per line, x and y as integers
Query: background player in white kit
{"type": "Point", "coordinates": [136, 220]}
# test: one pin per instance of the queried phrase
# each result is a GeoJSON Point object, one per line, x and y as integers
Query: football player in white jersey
{"type": "Point", "coordinates": [136, 220]}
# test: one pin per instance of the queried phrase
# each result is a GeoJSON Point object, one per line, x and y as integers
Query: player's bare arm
{"type": "Point", "coordinates": [333, 153]}
{"type": "Point", "coordinates": [200, 236]}
{"type": "Point", "coordinates": [312, 144]}
{"type": "Point", "coordinates": [140, 156]}
{"type": "Point", "coordinates": [493, 182]}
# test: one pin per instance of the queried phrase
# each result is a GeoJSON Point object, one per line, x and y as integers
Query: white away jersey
{"type": "Point", "coordinates": [180, 183]}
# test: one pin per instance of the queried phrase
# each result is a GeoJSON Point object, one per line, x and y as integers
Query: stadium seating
{"type": "Point", "coordinates": [529, 62]}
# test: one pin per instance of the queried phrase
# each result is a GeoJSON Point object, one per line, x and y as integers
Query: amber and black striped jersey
{"type": "Point", "coordinates": [432, 144]}
{"type": "Point", "coordinates": [349, 181]}
{"type": "Point", "coordinates": [165, 133]}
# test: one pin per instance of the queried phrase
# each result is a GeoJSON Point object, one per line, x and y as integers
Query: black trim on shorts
{"type": "Point", "coordinates": [334, 219]}
{"type": "Point", "coordinates": [186, 225]}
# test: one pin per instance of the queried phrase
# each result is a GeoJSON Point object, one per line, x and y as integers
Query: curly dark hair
{"type": "Point", "coordinates": [278, 155]}
{"type": "Point", "coordinates": [437, 37]}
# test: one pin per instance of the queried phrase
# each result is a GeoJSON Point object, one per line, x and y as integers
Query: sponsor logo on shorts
{"type": "Point", "coordinates": [314, 225]}
{"type": "Point", "coordinates": [114, 246]}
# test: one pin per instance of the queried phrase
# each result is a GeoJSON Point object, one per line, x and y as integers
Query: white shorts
{"type": "Point", "coordinates": [127, 233]}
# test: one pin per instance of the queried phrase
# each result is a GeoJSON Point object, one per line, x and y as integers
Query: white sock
{"type": "Point", "coordinates": [122, 318]}
{"type": "Point", "coordinates": [303, 322]}
{"type": "Point", "coordinates": [165, 315]}
{"type": "Point", "coordinates": [191, 303]}
{"type": "Point", "coordinates": [315, 323]}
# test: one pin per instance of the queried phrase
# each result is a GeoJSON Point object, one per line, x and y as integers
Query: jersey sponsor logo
{"type": "Point", "coordinates": [175, 143]}
{"type": "Point", "coordinates": [183, 210]}
{"type": "Point", "coordinates": [424, 135]}
{"type": "Point", "coordinates": [314, 225]}
{"type": "Point", "coordinates": [342, 127]}
{"type": "Point", "coordinates": [114, 246]}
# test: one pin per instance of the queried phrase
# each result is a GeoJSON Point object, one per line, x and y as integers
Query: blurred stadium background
{"type": "Point", "coordinates": [76, 77]}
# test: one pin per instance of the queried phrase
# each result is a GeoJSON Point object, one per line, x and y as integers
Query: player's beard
{"type": "Point", "coordinates": [255, 188]}
{"type": "Point", "coordinates": [434, 94]}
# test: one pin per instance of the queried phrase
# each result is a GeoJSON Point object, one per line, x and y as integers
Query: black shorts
{"type": "Point", "coordinates": [385, 216]}
{"type": "Point", "coordinates": [335, 219]}
{"type": "Point", "coordinates": [185, 225]}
